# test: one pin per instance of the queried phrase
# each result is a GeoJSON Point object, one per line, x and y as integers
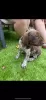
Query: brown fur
{"type": "Point", "coordinates": [35, 50]}
{"type": "Point", "coordinates": [32, 38]}
{"type": "Point", "coordinates": [30, 43]}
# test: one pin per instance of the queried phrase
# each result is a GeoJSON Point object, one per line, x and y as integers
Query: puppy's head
{"type": "Point", "coordinates": [32, 37]}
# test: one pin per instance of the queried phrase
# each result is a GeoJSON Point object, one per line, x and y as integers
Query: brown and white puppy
{"type": "Point", "coordinates": [30, 43]}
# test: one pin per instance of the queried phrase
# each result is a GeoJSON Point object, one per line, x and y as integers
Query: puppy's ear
{"type": "Point", "coordinates": [25, 40]}
{"type": "Point", "coordinates": [40, 39]}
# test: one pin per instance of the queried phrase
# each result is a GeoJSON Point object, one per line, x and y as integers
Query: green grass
{"type": "Point", "coordinates": [35, 70]}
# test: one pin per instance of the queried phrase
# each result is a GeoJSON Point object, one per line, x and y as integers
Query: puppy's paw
{"type": "Point", "coordinates": [17, 57]}
{"type": "Point", "coordinates": [24, 64]}
{"type": "Point", "coordinates": [35, 56]}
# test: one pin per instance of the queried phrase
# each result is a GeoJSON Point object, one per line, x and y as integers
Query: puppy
{"type": "Point", "coordinates": [30, 44]}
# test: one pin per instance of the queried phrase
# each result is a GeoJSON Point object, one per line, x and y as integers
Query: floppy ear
{"type": "Point", "coordinates": [25, 40]}
{"type": "Point", "coordinates": [40, 39]}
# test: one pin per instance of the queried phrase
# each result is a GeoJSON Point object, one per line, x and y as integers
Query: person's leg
{"type": "Point", "coordinates": [21, 25]}
{"type": "Point", "coordinates": [2, 36]}
{"type": "Point", "coordinates": [40, 26]}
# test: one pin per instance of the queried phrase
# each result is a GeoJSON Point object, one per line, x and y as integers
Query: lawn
{"type": "Point", "coordinates": [10, 68]}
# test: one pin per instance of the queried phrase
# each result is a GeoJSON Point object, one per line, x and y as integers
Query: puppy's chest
{"type": "Point", "coordinates": [22, 47]}
{"type": "Point", "coordinates": [31, 49]}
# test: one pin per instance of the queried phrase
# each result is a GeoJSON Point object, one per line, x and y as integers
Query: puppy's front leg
{"type": "Point", "coordinates": [24, 64]}
{"type": "Point", "coordinates": [18, 55]}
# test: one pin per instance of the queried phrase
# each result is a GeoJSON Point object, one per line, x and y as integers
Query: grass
{"type": "Point", "coordinates": [35, 70]}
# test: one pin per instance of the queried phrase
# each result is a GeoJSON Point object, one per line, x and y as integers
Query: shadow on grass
{"type": "Point", "coordinates": [11, 35]}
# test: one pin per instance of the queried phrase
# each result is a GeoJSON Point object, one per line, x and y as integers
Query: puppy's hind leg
{"type": "Point", "coordinates": [31, 59]}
